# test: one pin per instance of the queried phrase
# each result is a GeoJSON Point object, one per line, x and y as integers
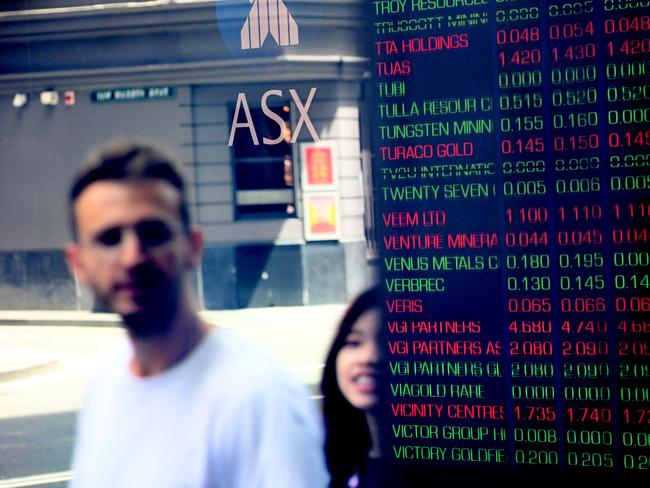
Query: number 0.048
{"type": "Point", "coordinates": [517, 35]}
{"type": "Point", "coordinates": [636, 23]}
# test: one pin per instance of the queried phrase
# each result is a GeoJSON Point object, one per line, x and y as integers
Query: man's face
{"type": "Point", "coordinates": [132, 252]}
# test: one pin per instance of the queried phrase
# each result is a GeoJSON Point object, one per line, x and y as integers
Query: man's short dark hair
{"type": "Point", "coordinates": [128, 160]}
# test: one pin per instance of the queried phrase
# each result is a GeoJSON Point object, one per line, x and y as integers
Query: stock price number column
{"type": "Point", "coordinates": [626, 73]}
{"type": "Point", "coordinates": [580, 238]}
{"type": "Point", "coordinates": [528, 261]}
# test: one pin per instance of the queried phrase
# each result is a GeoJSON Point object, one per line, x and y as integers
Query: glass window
{"type": "Point", "coordinates": [264, 173]}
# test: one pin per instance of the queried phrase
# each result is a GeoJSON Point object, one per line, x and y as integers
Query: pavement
{"type": "Point", "coordinates": [299, 336]}
{"type": "Point", "coordinates": [46, 358]}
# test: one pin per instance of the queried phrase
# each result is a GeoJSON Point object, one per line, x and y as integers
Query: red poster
{"type": "Point", "coordinates": [319, 170]}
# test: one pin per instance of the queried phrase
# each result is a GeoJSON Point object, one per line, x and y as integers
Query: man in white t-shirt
{"type": "Point", "coordinates": [181, 403]}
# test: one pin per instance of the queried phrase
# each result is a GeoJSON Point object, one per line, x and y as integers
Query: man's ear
{"type": "Point", "coordinates": [195, 243]}
{"type": "Point", "coordinates": [74, 261]}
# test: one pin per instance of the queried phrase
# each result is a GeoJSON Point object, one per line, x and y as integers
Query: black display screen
{"type": "Point", "coordinates": [511, 144]}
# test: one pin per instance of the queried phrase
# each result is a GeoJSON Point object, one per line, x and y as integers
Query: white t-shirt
{"type": "Point", "coordinates": [227, 416]}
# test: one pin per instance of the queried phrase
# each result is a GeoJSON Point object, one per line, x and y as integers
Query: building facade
{"type": "Point", "coordinates": [264, 102]}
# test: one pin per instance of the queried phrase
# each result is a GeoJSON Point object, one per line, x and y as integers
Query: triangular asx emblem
{"type": "Point", "coordinates": [268, 17]}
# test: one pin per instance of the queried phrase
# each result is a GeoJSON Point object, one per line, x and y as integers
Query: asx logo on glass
{"type": "Point", "coordinates": [269, 18]}
{"type": "Point", "coordinates": [254, 28]}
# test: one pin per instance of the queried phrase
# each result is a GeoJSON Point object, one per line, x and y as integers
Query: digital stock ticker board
{"type": "Point", "coordinates": [511, 142]}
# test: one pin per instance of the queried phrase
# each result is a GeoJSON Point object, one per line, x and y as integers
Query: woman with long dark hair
{"type": "Point", "coordinates": [351, 391]}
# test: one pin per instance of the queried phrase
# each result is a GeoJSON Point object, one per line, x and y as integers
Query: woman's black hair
{"type": "Point", "coordinates": [347, 439]}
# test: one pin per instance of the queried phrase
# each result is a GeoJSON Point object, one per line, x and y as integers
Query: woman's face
{"type": "Point", "coordinates": [358, 362]}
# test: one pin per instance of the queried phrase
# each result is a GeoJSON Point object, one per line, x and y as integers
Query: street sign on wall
{"type": "Point", "coordinates": [130, 94]}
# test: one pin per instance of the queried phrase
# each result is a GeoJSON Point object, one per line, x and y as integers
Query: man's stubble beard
{"type": "Point", "coordinates": [156, 316]}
